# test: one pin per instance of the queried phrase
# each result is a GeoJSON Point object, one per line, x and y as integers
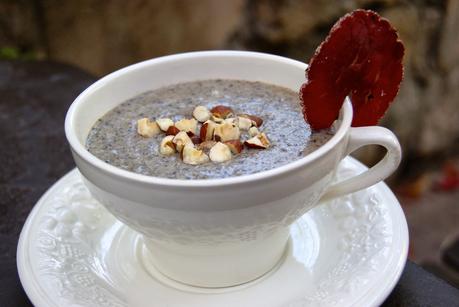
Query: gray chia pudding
{"type": "Point", "coordinates": [114, 138]}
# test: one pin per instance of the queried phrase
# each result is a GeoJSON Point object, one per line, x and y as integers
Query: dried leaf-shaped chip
{"type": "Point", "coordinates": [361, 58]}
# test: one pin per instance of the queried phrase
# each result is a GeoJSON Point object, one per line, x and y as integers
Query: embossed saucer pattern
{"type": "Point", "coordinates": [346, 252]}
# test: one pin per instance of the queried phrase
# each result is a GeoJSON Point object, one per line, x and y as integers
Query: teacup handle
{"type": "Point", "coordinates": [359, 137]}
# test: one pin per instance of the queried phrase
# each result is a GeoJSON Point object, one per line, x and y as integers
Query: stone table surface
{"type": "Point", "coordinates": [34, 97]}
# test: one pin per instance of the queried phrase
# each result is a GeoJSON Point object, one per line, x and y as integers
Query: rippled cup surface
{"type": "Point", "coordinates": [216, 232]}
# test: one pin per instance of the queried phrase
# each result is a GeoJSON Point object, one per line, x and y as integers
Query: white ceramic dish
{"type": "Point", "coordinates": [346, 252]}
{"type": "Point", "coordinates": [217, 232]}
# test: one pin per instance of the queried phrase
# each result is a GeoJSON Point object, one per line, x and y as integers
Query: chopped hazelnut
{"type": "Point", "coordinates": [166, 146]}
{"type": "Point", "coordinates": [244, 123]}
{"type": "Point", "coordinates": [206, 145]}
{"type": "Point", "coordinates": [147, 128]}
{"type": "Point", "coordinates": [220, 153]}
{"type": "Point", "coordinates": [201, 113]}
{"type": "Point", "coordinates": [226, 132]}
{"type": "Point", "coordinates": [253, 131]}
{"type": "Point", "coordinates": [232, 120]}
{"type": "Point", "coordinates": [181, 140]}
{"type": "Point", "coordinates": [207, 130]}
{"type": "Point", "coordinates": [187, 125]}
{"type": "Point", "coordinates": [222, 111]}
{"type": "Point", "coordinates": [193, 156]}
{"type": "Point", "coordinates": [256, 121]}
{"type": "Point", "coordinates": [195, 139]}
{"type": "Point", "coordinates": [164, 123]}
{"type": "Point", "coordinates": [259, 141]}
{"type": "Point", "coordinates": [217, 120]}
{"type": "Point", "coordinates": [172, 130]}
{"type": "Point", "coordinates": [235, 146]}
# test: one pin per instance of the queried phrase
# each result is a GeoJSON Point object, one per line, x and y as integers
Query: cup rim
{"type": "Point", "coordinates": [81, 151]}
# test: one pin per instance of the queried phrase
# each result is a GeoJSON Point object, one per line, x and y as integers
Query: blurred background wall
{"type": "Point", "coordinates": [102, 36]}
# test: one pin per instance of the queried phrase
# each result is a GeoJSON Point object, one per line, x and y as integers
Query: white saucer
{"type": "Point", "coordinates": [347, 252]}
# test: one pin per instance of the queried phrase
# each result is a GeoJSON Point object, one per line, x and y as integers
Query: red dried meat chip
{"type": "Point", "coordinates": [361, 58]}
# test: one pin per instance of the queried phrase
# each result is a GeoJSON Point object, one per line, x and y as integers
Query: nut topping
{"type": "Point", "coordinates": [259, 141]}
{"type": "Point", "coordinates": [195, 139]}
{"type": "Point", "coordinates": [193, 156]}
{"type": "Point", "coordinates": [226, 132]}
{"type": "Point", "coordinates": [172, 130]}
{"type": "Point", "coordinates": [181, 140]}
{"type": "Point", "coordinates": [217, 120]}
{"type": "Point", "coordinates": [201, 113]}
{"type": "Point", "coordinates": [256, 121]}
{"type": "Point", "coordinates": [187, 125]}
{"type": "Point", "coordinates": [235, 146]}
{"type": "Point", "coordinates": [244, 123]}
{"type": "Point", "coordinates": [253, 131]}
{"type": "Point", "coordinates": [222, 111]}
{"type": "Point", "coordinates": [206, 145]}
{"type": "Point", "coordinates": [218, 139]}
{"type": "Point", "coordinates": [167, 147]}
{"type": "Point", "coordinates": [147, 128]}
{"type": "Point", "coordinates": [207, 130]}
{"type": "Point", "coordinates": [232, 120]}
{"type": "Point", "coordinates": [164, 123]}
{"type": "Point", "coordinates": [220, 153]}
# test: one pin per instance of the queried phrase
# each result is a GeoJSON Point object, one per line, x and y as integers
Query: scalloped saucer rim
{"type": "Point", "coordinates": [359, 263]}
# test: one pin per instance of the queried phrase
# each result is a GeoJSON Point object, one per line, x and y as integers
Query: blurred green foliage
{"type": "Point", "coordinates": [13, 53]}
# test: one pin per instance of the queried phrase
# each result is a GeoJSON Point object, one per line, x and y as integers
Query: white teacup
{"type": "Point", "coordinates": [217, 232]}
